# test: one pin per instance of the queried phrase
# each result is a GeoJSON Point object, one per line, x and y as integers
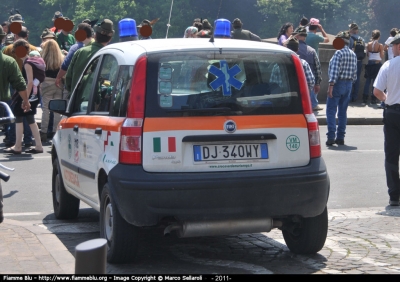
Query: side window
{"type": "Point", "coordinates": [106, 81]}
{"type": "Point", "coordinates": [81, 100]}
{"type": "Point", "coordinates": [121, 91]}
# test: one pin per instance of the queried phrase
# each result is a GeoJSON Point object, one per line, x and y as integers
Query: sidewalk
{"type": "Point", "coordinates": [357, 114]}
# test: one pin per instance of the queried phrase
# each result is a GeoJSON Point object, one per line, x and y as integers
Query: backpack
{"type": "Point", "coordinates": [359, 48]}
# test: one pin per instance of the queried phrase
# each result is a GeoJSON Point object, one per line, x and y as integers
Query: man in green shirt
{"type": "Point", "coordinates": [103, 34]}
{"type": "Point", "coordinates": [65, 40]}
{"type": "Point", "coordinates": [10, 74]}
{"type": "Point", "coordinates": [313, 39]}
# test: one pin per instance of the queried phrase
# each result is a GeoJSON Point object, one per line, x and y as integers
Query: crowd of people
{"type": "Point", "coordinates": [33, 75]}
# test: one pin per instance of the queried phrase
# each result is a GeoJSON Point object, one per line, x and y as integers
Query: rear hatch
{"type": "Point", "coordinates": [223, 111]}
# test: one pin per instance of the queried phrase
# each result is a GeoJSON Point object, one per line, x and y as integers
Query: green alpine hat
{"type": "Point", "coordinates": [105, 27]}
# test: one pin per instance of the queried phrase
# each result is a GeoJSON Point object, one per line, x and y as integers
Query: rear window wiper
{"type": "Point", "coordinates": [223, 109]}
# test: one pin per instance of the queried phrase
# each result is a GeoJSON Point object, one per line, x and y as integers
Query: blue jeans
{"type": "Point", "coordinates": [356, 86]}
{"type": "Point", "coordinates": [313, 98]}
{"type": "Point", "coordinates": [338, 104]}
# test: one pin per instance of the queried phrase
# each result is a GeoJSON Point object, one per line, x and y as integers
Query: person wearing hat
{"type": "Point", "coordinates": [17, 18]}
{"type": "Point", "coordinates": [143, 23]}
{"type": "Point", "coordinates": [10, 74]}
{"type": "Point", "coordinates": [293, 44]}
{"type": "Point", "coordinates": [9, 39]}
{"type": "Point", "coordinates": [242, 34]}
{"type": "Point", "coordinates": [4, 25]}
{"type": "Point", "coordinates": [342, 73]}
{"type": "Point", "coordinates": [388, 79]}
{"type": "Point", "coordinates": [65, 40]}
{"type": "Point", "coordinates": [23, 34]}
{"type": "Point", "coordinates": [354, 37]}
{"type": "Point", "coordinates": [104, 33]}
{"type": "Point", "coordinates": [57, 15]}
{"type": "Point", "coordinates": [10, 136]}
{"type": "Point", "coordinates": [308, 54]}
{"type": "Point", "coordinates": [313, 39]}
{"type": "Point", "coordinates": [47, 35]}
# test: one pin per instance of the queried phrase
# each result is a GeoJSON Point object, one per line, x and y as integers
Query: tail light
{"type": "Point", "coordinates": [132, 128]}
{"type": "Point", "coordinates": [312, 122]}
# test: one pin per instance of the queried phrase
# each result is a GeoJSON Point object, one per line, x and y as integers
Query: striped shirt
{"type": "Point", "coordinates": [277, 78]}
{"type": "Point", "coordinates": [343, 65]}
{"type": "Point", "coordinates": [309, 75]}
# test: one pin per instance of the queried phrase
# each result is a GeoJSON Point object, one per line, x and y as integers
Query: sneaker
{"type": "Point", "coordinates": [394, 203]}
{"type": "Point", "coordinates": [1, 216]}
{"type": "Point", "coordinates": [339, 141]}
{"type": "Point", "coordinates": [318, 108]}
{"type": "Point", "coordinates": [330, 142]}
{"type": "Point", "coordinates": [33, 98]}
{"type": "Point", "coordinates": [364, 102]}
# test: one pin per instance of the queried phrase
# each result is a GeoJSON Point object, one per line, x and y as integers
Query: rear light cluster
{"type": "Point", "coordinates": [312, 122]}
{"type": "Point", "coordinates": [132, 128]}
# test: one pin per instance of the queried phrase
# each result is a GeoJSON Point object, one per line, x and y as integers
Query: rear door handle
{"type": "Point", "coordinates": [76, 128]}
{"type": "Point", "coordinates": [98, 131]}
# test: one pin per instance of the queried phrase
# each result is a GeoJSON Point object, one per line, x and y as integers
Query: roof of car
{"type": "Point", "coordinates": [187, 44]}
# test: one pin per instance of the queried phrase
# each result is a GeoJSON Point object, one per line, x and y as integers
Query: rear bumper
{"type": "Point", "coordinates": [144, 198]}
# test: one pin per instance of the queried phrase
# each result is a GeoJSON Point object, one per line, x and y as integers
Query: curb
{"type": "Point", "coordinates": [59, 253]}
{"type": "Point", "coordinates": [355, 121]}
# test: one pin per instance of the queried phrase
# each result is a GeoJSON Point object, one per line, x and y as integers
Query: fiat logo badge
{"type": "Point", "coordinates": [230, 126]}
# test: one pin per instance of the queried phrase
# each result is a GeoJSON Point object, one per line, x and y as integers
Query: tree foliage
{"type": "Point", "coordinates": [263, 17]}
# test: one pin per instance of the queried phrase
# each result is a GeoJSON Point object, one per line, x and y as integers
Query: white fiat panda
{"type": "Point", "coordinates": [196, 137]}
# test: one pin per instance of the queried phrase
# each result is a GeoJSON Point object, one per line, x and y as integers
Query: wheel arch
{"type": "Point", "coordinates": [101, 180]}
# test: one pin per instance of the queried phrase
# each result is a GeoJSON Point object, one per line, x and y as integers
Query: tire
{"type": "Point", "coordinates": [122, 237]}
{"type": "Point", "coordinates": [310, 237]}
{"type": "Point", "coordinates": [65, 205]}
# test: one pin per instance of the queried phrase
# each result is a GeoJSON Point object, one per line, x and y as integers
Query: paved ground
{"type": "Point", "coordinates": [359, 241]}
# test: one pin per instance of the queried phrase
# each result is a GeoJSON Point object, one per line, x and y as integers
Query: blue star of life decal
{"type": "Point", "coordinates": [225, 78]}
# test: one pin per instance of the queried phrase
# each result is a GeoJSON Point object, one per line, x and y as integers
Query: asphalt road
{"type": "Point", "coordinates": [357, 181]}
{"type": "Point", "coordinates": [356, 173]}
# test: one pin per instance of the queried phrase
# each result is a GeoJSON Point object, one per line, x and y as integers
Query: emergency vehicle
{"type": "Point", "coordinates": [196, 137]}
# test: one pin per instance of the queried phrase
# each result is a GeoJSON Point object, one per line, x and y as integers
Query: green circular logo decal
{"type": "Point", "coordinates": [293, 143]}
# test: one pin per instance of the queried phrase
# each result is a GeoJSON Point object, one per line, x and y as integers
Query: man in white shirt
{"type": "Point", "coordinates": [388, 46]}
{"type": "Point", "coordinates": [388, 79]}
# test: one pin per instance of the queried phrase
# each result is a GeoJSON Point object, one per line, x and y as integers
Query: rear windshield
{"type": "Point", "coordinates": [221, 83]}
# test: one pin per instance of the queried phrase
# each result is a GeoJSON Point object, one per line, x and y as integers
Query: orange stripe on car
{"type": "Point", "coordinates": [93, 122]}
{"type": "Point", "coordinates": [217, 123]}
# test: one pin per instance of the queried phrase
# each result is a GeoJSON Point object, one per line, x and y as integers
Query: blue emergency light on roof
{"type": "Point", "coordinates": [127, 28]}
{"type": "Point", "coordinates": [222, 28]}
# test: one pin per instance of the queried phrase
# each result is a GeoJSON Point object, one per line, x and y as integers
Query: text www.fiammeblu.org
{"type": "Point", "coordinates": [231, 166]}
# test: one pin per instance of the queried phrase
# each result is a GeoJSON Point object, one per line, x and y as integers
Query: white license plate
{"type": "Point", "coordinates": [230, 152]}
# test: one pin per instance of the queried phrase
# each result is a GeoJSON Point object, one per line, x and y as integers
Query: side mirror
{"type": "Point", "coordinates": [58, 106]}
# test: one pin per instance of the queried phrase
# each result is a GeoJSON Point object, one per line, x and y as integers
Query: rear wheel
{"type": "Point", "coordinates": [307, 236]}
{"type": "Point", "coordinates": [65, 205]}
{"type": "Point", "coordinates": [122, 237]}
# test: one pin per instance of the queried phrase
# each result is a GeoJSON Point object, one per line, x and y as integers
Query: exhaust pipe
{"type": "Point", "coordinates": [221, 227]}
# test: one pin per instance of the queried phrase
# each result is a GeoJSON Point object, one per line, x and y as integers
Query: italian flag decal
{"type": "Point", "coordinates": [164, 144]}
